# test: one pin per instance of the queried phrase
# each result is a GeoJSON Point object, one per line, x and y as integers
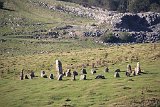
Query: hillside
{"type": "Point", "coordinates": [35, 33]}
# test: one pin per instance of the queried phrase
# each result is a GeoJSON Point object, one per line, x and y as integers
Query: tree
{"type": "Point", "coordinates": [139, 5]}
{"type": "Point", "coordinates": [1, 5]}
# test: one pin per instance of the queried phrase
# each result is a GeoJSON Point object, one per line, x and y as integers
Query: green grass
{"type": "Point", "coordinates": [108, 92]}
{"type": "Point", "coordinates": [17, 53]}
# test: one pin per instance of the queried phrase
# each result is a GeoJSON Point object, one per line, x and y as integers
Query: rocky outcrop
{"type": "Point", "coordinates": [143, 27]}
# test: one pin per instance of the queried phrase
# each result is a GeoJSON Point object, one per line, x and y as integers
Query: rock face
{"type": "Point", "coordinates": [142, 27]}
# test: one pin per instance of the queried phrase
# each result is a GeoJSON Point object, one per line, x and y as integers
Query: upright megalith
{"type": "Point", "coordinates": [68, 73]}
{"type": "Point", "coordinates": [138, 69]}
{"type": "Point", "coordinates": [116, 74]}
{"type": "Point", "coordinates": [42, 73]}
{"type": "Point", "coordinates": [129, 70]}
{"type": "Point", "coordinates": [83, 71]}
{"type": "Point", "coordinates": [32, 75]}
{"type": "Point", "coordinates": [22, 75]}
{"type": "Point", "coordinates": [75, 73]}
{"type": "Point", "coordinates": [59, 67]}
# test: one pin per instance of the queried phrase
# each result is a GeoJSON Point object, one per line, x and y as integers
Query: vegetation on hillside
{"type": "Point", "coordinates": [122, 5]}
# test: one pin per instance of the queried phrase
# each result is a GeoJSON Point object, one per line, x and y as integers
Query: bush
{"type": "Point", "coordinates": [109, 38]}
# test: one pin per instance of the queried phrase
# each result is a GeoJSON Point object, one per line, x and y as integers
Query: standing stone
{"type": "Point", "coordinates": [116, 75]}
{"type": "Point", "coordinates": [32, 75]}
{"type": "Point", "coordinates": [106, 69]}
{"type": "Point", "coordinates": [42, 73]}
{"type": "Point", "coordinates": [51, 76]}
{"type": "Point", "coordinates": [129, 70]}
{"type": "Point", "coordinates": [68, 73]}
{"type": "Point", "coordinates": [59, 67]}
{"type": "Point", "coordinates": [60, 76]}
{"type": "Point", "coordinates": [21, 75]}
{"type": "Point", "coordinates": [138, 69]}
{"type": "Point", "coordinates": [75, 73]}
{"type": "Point", "coordinates": [83, 71]}
{"type": "Point", "coordinates": [93, 71]}
{"type": "Point", "coordinates": [83, 77]}
{"type": "Point", "coordinates": [26, 77]}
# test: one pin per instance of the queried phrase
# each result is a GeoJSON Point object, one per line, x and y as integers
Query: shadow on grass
{"type": "Point", "coordinates": [7, 9]}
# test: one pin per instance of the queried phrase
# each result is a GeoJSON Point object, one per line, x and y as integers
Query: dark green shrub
{"type": "Point", "coordinates": [109, 38]}
{"type": "Point", "coordinates": [1, 5]}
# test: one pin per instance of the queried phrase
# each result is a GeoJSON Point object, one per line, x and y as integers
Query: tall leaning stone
{"type": "Point", "coordinates": [59, 67]}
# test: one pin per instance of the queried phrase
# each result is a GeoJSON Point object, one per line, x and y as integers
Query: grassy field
{"type": "Point", "coordinates": [17, 53]}
{"type": "Point", "coordinates": [143, 90]}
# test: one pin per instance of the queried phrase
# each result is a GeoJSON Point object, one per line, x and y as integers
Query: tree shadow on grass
{"type": "Point", "coordinates": [7, 9]}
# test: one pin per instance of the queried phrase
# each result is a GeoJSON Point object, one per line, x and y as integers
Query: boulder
{"type": "Point", "coordinates": [100, 77]}
{"type": "Point", "coordinates": [83, 77]}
